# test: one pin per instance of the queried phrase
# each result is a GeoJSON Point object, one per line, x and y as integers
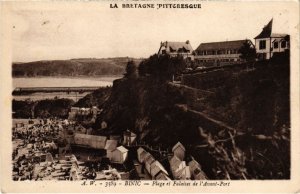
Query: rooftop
{"type": "Point", "coordinates": [235, 44]}
{"type": "Point", "coordinates": [176, 46]}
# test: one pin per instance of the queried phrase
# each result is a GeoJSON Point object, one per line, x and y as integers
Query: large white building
{"type": "Point", "coordinates": [216, 53]}
{"type": "Point", "coordinates": [268, 43]}
{"type": "Point", "coordinates": [174, 49]}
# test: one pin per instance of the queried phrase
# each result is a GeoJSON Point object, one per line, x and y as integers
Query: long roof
{"type": "Point", "coordinates": [111, 144]}
{"type": "Point", "coordinates": [157, 164]}
{"type": "Point", "coordinates": [162, 176]}
{"type": "Point", "coordinates": [193, 164]}
{"type": "Point", "coordinates": [149, 159]}
{"type": "Point", "coordinates": [178, 144]}
{"type": "Point", "coordinates": [140, 150]}
{"type": "Point", "coordinates": [234, 44]}
{"type": "Point", "coordinates": [122, 149]}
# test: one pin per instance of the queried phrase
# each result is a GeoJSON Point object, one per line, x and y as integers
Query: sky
{"type": "Point", "coordinates": [56, 30]}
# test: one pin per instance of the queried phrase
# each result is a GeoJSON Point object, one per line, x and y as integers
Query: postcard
{"type": "Point", "coordinates": [150, 96]}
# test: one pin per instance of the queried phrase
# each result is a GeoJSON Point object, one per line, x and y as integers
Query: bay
{"type": "Point", "coordinates": [63, 81]}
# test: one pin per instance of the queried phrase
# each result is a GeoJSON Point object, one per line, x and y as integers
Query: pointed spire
{"type": "Point", "coordinates": [267, 30]}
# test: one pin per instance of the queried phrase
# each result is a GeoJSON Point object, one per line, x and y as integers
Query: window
{"type": "Point", "coordinates": [197, 171]}
{"type": "Point", "coordinates": [209, 52]}
{"type": "Point", "coordinates": [283, 44]}
{"type": "Point", "coordinates": [262, 56]}
{"type": "Point", "coordinates": [262, 44]}
{"type": "Point", "coordinates": [276, 44]}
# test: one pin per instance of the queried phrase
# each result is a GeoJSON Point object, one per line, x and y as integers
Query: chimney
{"type": "Point", "coordinates": [187, 42]}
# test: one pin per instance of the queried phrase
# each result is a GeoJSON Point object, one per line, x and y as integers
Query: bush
{"type": "Point", "coordinates": [53, 108]}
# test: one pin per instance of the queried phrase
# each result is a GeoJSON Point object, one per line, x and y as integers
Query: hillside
{"type": "Point", "coordinates": [162, 114]}
{"type": "Point", "coordinates": [73, 67]}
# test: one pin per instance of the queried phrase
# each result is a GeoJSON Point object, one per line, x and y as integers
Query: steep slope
{"type": "Point", "coordinates": [162, 114]}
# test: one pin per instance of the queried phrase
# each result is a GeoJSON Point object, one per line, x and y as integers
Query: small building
{"type": "Point", "coordinates": [89, 131]}
{"type": "Point", "coordinates": [149, 159]}
{"type": "Point", "coordinates": [128, 138]}
{"type": "Point", "coordinates": [95, 110]}
{"type": "Point", "coordinates": [116, 137]}
{"type": "Point", "coordinates": [84, 111]}
{"type": "Point", "coordinates": [80, 129]}
{"type": "Point", "coordinates": [176, 163]}
{"type": "Point", "coordinates": [75, 109]}
{"type": "Point", "coordinates": [74, 171]}
{"type": "Point", "coordinates": [81, 139]}
{"type": "Point", "coordinates": [141, 153]}
{"type": "Point", "coordinates": [119, 155]}
{"type": "Point", "coordinates": [91, 141]}
{"type": "Point", "coordinates": [183, 174]}
{"type": "Point", "coordinates": [174, 49]}
{"type": "Point", "coordinates": [268, 43]}
{"type": "Point", "coordinates": [73, 112]}
{"type": "Point", "coordinates": [49, 157]}
{"type": "Point", "coordinates": [162, 176]}
{"type": "Point", "coordinates": [20, 125]}
{"type": "Point", "coordinates": [110, 146]}
{"type": "Point", "coordinates": [179, 151]}
{"type": "Point", "coordinates": [176, 166]}
{"type": "Point", "coordinates": [155, 168]}
{"type": "Point", "coordinates": [217, 53]}
{"type": "Point", "coordinates": [103, 125]}
{"type": "Point", "coordinates": [97, 142]}
{"type": "Point", "coordinates": [195, 170]}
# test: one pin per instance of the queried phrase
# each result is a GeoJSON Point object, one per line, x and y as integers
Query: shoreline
{"type": "Point", "coordinates": [73, 77]}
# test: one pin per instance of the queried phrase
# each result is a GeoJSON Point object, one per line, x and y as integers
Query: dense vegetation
{"type": "Point", "coordinates": [73, 67]}
{"type": "Point", "coordinates": [252, 99]}
{"type": "Point", "coordinates": [162, 67]}
{"type": "Point", "coordinates": [42, 109]}
{"type": "Point", "coordinates": [96, 98]}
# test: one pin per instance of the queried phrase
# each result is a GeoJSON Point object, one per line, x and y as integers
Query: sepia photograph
{"type": "Point", "coordinates": [138, 91]}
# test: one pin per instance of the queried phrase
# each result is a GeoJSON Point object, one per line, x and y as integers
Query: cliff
{"type": "Point", "coordinates": [232, 125]}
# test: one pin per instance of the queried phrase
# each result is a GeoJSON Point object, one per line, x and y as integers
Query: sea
{"type": "Point", "coordinates": [42, 82]}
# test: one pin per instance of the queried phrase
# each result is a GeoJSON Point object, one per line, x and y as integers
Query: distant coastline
{"type": "Point", "coordinates": [79, 68]}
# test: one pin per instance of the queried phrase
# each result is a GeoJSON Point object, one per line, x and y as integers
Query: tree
{"type": "Point", "coordinates": [131, 70]}
{"type": "Point", "coordinates": [248, 52]}
{"type": "Point", "coordinates": [162, 67]}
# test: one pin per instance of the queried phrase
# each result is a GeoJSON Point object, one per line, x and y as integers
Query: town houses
{"type": "Point", "coordinates": [206, 54]}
